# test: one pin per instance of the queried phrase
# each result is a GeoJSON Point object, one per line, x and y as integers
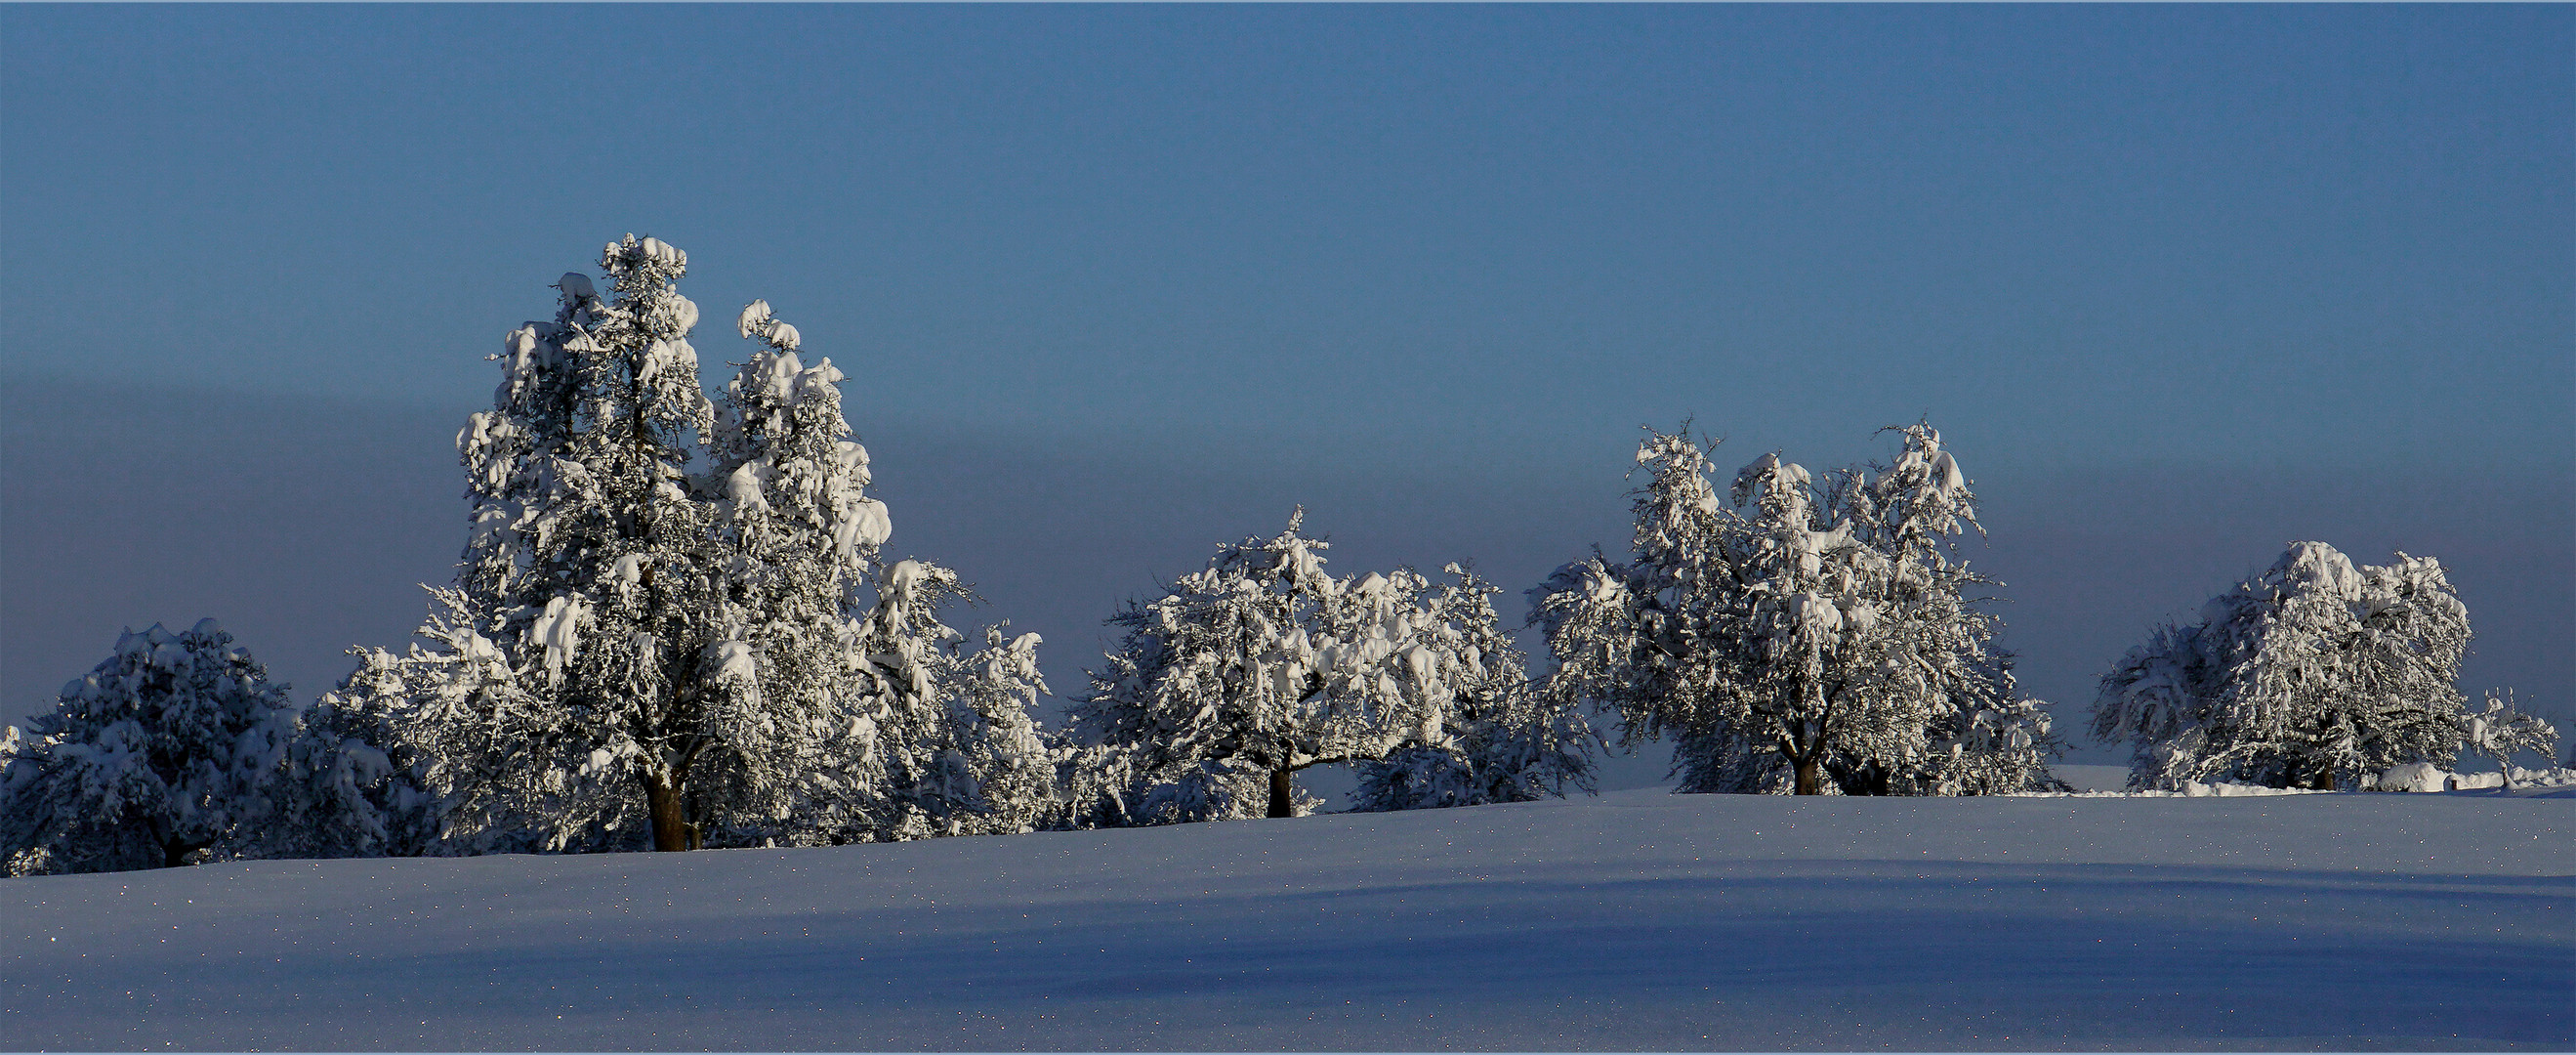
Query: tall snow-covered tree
{"type": "Point", "coordinates": [166, 754]}
{"type": "Point", "coordinates": [2313, 674]}
{"type": "Point", "coordinates": [671, 617]}
{"type": "Point", "coordinates": [591, 571]}
{"type": "Point", "coordinates": [1799, 635]}
{"type": "Point", "coordinates": [1261, 665]}
{"type": "Point", "coordinates": [1506, 743]}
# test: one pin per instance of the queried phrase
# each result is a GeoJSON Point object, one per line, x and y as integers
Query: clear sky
{"type": "Point", "coordinates": [1112, 284]}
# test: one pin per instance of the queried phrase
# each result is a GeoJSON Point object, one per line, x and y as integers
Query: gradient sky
{"type": "Point", "coordinates": [2180, 284]}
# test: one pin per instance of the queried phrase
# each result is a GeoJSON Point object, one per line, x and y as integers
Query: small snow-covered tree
{"type": "Point", "coordinates": [437, 713]}
{"type": "Point", "coordinates": [1261, 665]}
{"type": "Point", "coordinates": [1505, 743]}
{"type": "Point", "coordinates": [164, 755]}
{"type": "Point", "coordinates": [2504, 732]}
{"type": "Point", "coordinates": [339, 793]}
{"type": "Point", "coordinates": [2313, 674]}
{"type": "Point", "coordinates": [671, 617]}
{"type": "Point", "coordinates": [804, 541]}
{"type": "Point", "coordinates": [945, 745]}
{"type": "Point", "coordinates": [1013, 769]}
{"type": "Point", "coordinates": [1799, 635]}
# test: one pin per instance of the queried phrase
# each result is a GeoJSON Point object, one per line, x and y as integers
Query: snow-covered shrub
{"type": "Point", "coordinates": [1208, 790]}
{"type": "Point", "coordinates": [340, 793]}
{"type": "Point", "coordinates": [166, 754]}
{"type": "Point", "coordinates": [1014, 767]}
{"type": "Point", "coordinates": [2313, 674]}
{"type": "Point", "coordinates": [2544, 777]}
{"type": "Point", "coordinates": [2503, 732]}
{"type": "Point", "coordinates": [1506, 743]}
{"type": "Point", "coordinates": [1799, 635]}
{"type": "Point", "coordinates": [672, 622]}
{"type": "Point", "coordinates": [1995, 747]}
{"type": "Point", "coordinates": [950, 748]}
{"type": "Point", "coordinates": [1123, 786]}
{"type": "Point", "coordinates": [1100, 786]}
{"type": "Point", "coordinates": [1262, 664]}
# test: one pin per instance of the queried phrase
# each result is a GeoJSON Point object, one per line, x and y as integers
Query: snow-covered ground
{"type": "Point", "coordinates": [2092, 778]}
{"type": "Point", "coordinates": [1635, 920]}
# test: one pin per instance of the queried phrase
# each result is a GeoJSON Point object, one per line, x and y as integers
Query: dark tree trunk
{"type": "Point", "coordinates": [671, 827]}
{"type": "Point", "coordinates": [1878, 780]}
{"type": "Point", "coordinates": [1283, 793]}
{"type": "Point", "coordinates": [1811, 776]}
{"type": "Point", "coordinates": [174, 852]}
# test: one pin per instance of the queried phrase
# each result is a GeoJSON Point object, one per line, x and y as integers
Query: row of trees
{"type": "Point", "coordinates": [674, 625]}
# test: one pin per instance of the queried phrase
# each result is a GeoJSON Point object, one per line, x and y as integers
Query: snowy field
{"type": "Point", "coordinates": [1634, 920]}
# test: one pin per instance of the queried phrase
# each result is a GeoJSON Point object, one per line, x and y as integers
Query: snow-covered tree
{"type": "Point", "coordinates": [1799, 635]}
{"type": "Point", "coordinates": [2313, 674]}
{"type": "Point", "coordinates": [805, 540]}
{"type": "Point", "coordinates": [671, 617]}
{"type": "Point", "coordinates": [339, 793]}
{"type": "Point", "coordinates": [437, 712]}
{"type": "Point", "coordinates": [2503, 732]}
{"type": "Point", "coordinates": [946, 745]}
{"type": "Point", "coordinates": [164, 755]}
{"type": "Point", "coordinates": [1262, 665]}
{"type": "Point", "coordinates": [1506, 743]}
{"type": "Point", "coordinates": [1013, 768]}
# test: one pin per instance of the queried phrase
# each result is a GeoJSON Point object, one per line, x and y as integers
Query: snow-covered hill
{"type": "Point", "coordinates": [1634, 920]}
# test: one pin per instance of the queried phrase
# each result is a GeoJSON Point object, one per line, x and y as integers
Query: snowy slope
{"type": "Point", "coordinates": [1634, 920]}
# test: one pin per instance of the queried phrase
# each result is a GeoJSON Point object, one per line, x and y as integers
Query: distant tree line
{"type": "Point", "coordinates": [675, 624]}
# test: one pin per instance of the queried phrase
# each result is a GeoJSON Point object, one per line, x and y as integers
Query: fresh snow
{"type": "Point", "coordinates": [1634, 920]}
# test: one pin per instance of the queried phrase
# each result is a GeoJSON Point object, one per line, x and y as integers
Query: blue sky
{"type": "Point", "coordinates": [1112, 284]}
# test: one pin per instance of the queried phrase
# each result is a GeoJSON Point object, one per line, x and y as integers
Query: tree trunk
{"type": "Point", "coordinates": [174, 851]}
{"type": "Point", "coordinates": [671, 828]}
{"type": "Point", "coordinates": [1283, 793]}
{"type": "Point", "coordinates": [1811, 776]}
